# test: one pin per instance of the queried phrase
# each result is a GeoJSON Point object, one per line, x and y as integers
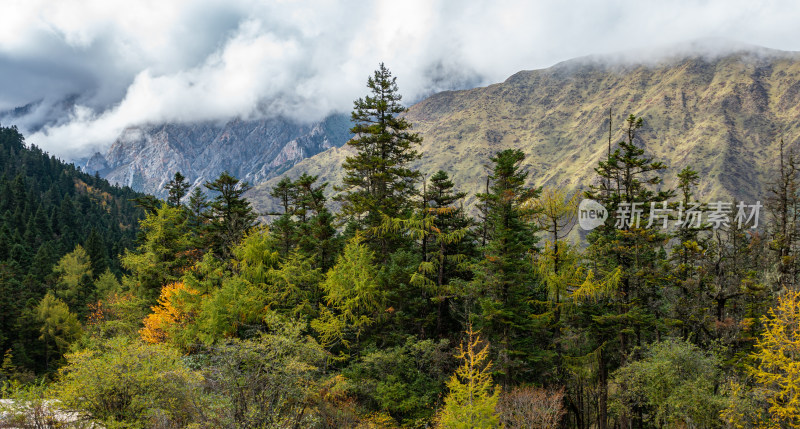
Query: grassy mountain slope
{"type": "Point", "coordinates": [722, 115]}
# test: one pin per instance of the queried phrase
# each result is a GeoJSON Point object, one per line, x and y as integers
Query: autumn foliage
{"type": "Point", "coordinates": [169, 313]}
{"type": "Point", "coordinates": [778, 354]}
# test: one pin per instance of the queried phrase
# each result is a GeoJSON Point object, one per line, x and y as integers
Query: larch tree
{"type": "Point", "coordinates": [472, 396]}
{"type": "Point", "coordinates": [58, 326]}
{"type": "Point", "coordinates": [777, 355]}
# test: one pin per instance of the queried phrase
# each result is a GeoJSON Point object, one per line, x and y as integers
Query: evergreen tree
{"type": "Point", "coordinates": [176, 189]}
{"type": "Point", "coordinates": [688, 257]}
{"type": "Point", "coordinates": [315, 230]}
{"type": "Point", "coordinates": [284, 227]}
{"type": "Point", "coordinates": [96, 249]}
{"type": "Point", "coordinates": [378, 180]}
{"type": "Point", "coordinates": [632, 245]}
{"type": "Point", "coordinates": [230, 215]}
{"type": "Point", "coordinates": [784, 207]}
{"type": "Point", "coordinates": [198, 204]}
{"type": "Point", "coordinates": [505, 276]}
{"type": "Point", "coordinates": [453, 243]}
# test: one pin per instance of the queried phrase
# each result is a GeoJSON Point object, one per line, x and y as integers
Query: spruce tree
{"type": "Point", "coordinates": [198, 204]}
{"type": "Point", "coordinates": [315, 231]}
{"type": "Point", "coordinates": [284, 228]}
{"type": "Point", "coordinates": [452, 242]}
{"type": "Point", "coordinates": [176, 189]}
{"type": "Point", "coordinates": [627, 179]}
{"type": "Point", "coordinates": [96, 249]}
{"type": "Point", "coordinates": [692, 251]}
{"type": "Point", "coordinates": [783, 205]}
{"type": "Point", "coordinates": [378, 180]}
{"type": "Point", "coordinates": [505, 274]}
{"type": "Point", "coordinates": [230, 215]}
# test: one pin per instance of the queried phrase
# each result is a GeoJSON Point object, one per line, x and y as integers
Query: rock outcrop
{"type": "Point", "coordinates": [146, 157]}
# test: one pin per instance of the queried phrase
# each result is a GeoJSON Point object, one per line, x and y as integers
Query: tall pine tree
{"type": "Point", "coordinates": [505, 276]}
{"type": "Point", "coordinates": [176, 189]}
{"type": "Point", "coordinates": [378, 180]}
{"type": "Point", "coordinates": [230, 214]}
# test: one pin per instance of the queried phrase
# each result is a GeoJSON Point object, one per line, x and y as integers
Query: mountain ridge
{"type": "Point", "coordinates": [722, 115]}
{"type": "Point", "coordinates": [146, 157]}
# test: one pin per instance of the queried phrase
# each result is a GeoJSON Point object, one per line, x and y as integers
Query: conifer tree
{"type": "Point", "coordinates": [8, 370]}
{"type": "Point", "coordinates": [692, 251]}
{"type": "Point", "coordinates": [627, 180]}
{"type": "Point", "coordinates": [505, 275]}
{"type": "Point", "coordinates": [161, 256]}
{"type": "Point", "coordinates": [316, 234]}
{"type": "Point", "coordinates": [176, 189]}
{"type": "Point", "coordinates": [378, 180]}
{"type": "Point", "coordinates": [284, 227]}
{"type": "Point", "coordinates": [198, 204]}
{"type": "Point", "coordinates": [58, 326]}
{"type": "Point", "coordinates": [558, 263]}
{"type": "Point", "coordinates": [452, 241]}
{"type": "Point", "coordinates": [776, 355]}
{"type": "Point", "coordinates": [75, 279]}
{"type": "Point", "coordinates": [230, 215]}
{"type": "Point", "coordinates": [472, 397]}
{"type": "Point", "coordinates": [784, 207]}
{"type": "Point", "coordinates": [354, 297]}
{"type": "Point", "coordinates": [96, 249]}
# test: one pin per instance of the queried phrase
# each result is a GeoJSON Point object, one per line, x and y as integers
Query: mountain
{"type": "Point", "coordinates": [723, 114]}
{"type": "Point", "coordinates": [35, 115]}
{"type": "Point", "coordinates": [146, 157]}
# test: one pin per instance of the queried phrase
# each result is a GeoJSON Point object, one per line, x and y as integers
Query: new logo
{"type": "Point", "coordinates": [591, 214]}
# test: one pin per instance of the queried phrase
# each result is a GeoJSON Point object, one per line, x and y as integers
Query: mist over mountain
{"type": "Point", "coordinates": [404, 280]}
{"type": "Point", "coordinates": [714, 104]}
{"type": "Point", "coordinates": [721, 113]}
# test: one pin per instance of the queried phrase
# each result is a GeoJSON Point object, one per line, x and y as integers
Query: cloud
{"type": "Point", "coordinates": [95, 67]}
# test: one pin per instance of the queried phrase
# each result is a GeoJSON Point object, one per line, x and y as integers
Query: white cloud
{"type": "Point", "coordinates": [150, 61]}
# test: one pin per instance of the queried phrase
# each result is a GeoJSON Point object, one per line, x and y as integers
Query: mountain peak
{"type": "Point", "coordinates": [718, 110]}
{"type": "Point", "coordinates": [707, 49]}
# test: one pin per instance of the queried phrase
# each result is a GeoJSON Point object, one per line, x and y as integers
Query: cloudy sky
{"type": "Point", "coordinates": [97, 66]}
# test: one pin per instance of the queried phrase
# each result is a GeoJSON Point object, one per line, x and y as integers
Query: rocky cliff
{"type": "Point", "coordinates": [146, 157]}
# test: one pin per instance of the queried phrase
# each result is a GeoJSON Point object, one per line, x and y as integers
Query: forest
{"type": "Point", "coordinates": [393, 304]}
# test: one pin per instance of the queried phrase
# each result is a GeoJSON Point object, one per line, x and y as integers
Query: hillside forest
{"type": "Point", "coordinates": [394, 304]}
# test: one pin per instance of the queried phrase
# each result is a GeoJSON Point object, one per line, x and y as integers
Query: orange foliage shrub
{"type": "Point", "coordinates": [171, 311]}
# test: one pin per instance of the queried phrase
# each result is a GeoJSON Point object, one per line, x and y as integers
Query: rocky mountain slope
{"type": "Point", "coordinates": [146, 157]}
{"type": "Point", "coordinates": [722, 114]}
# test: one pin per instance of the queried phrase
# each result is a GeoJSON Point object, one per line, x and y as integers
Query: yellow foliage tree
{"type": "Point", "coordinates": [559, 262]}
{"type": "Point", "coordinates": [473, 397]}
{"type": "Point", "coordinates": [170, 312]}
{"type": "Point", "coordinates": [778, 357]}
{"type": "Point", "coordinates": [353, 296]}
